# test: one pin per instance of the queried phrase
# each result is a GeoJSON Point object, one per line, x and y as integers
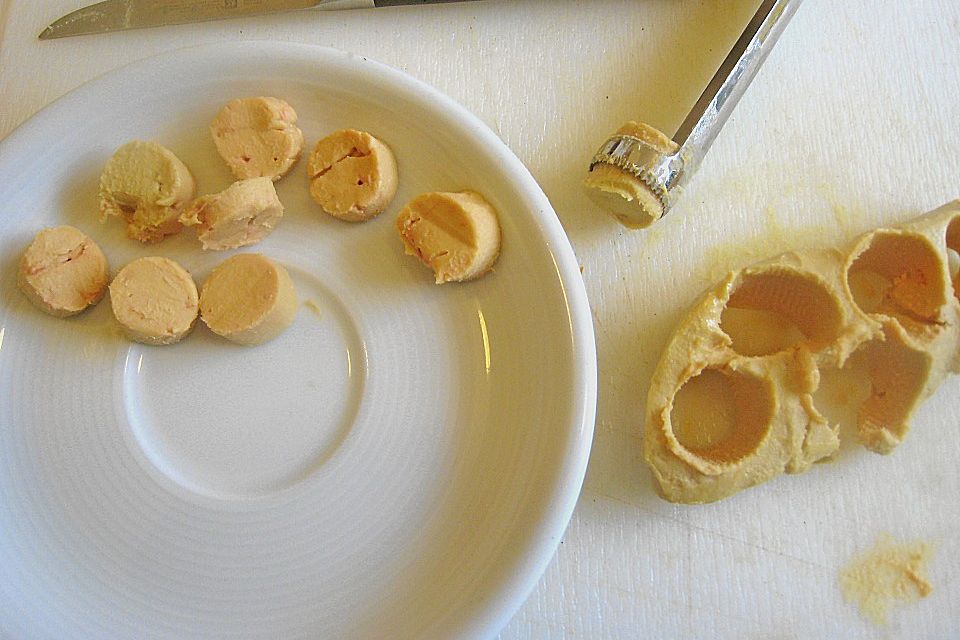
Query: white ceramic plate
{"type": "Point", "coordinates": [400, 463]}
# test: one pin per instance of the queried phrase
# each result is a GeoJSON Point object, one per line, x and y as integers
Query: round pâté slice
{"type": "Point", "coordinates": [353, 175]}
{"type": "Point", "coordinates": [63, 271]}
{"type": "Point", "coordinates": [155, 300]}
{"type": "Point", "coordinates": [242, 214]}
{"type": "Point", "coordinates": [257, 137]}
{"type": "Point", "coordinates": [147, 186]}
{"type": "Point", "coordinates": [457, 235]}
{"type": "Point", "coordinates": [248, 299]}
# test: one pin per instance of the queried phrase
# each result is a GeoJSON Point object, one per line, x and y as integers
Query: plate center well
{"type": "Point", "coordinates": [230, 421]}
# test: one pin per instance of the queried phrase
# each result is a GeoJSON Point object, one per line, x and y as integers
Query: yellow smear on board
{"type": "Point", "coordinates": [774, 238]}
{"type": "Point", "coordinates": [851, 220]}
{"type": "Point", "coordinates": [889, 574]}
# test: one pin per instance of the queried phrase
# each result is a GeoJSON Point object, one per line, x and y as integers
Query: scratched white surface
{"type": "Point", "coordinates": [853, 122]}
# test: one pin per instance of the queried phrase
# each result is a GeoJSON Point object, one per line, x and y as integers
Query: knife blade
{"type": "Point", "coordinates": [116, 15]}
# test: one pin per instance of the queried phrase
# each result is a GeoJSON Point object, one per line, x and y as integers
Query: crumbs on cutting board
{"type": "Point", "coordinates": [891, 573]}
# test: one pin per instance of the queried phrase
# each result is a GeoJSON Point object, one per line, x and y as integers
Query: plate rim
{"type": "Point", "coordinates": [512, 590]}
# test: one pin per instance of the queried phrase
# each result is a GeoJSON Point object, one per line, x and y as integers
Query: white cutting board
{"type": "Point", "coordinates": [854, 122]}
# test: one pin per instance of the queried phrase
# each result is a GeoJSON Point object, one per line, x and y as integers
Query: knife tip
{"type": "Point", "coordinates": [46, 34]}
